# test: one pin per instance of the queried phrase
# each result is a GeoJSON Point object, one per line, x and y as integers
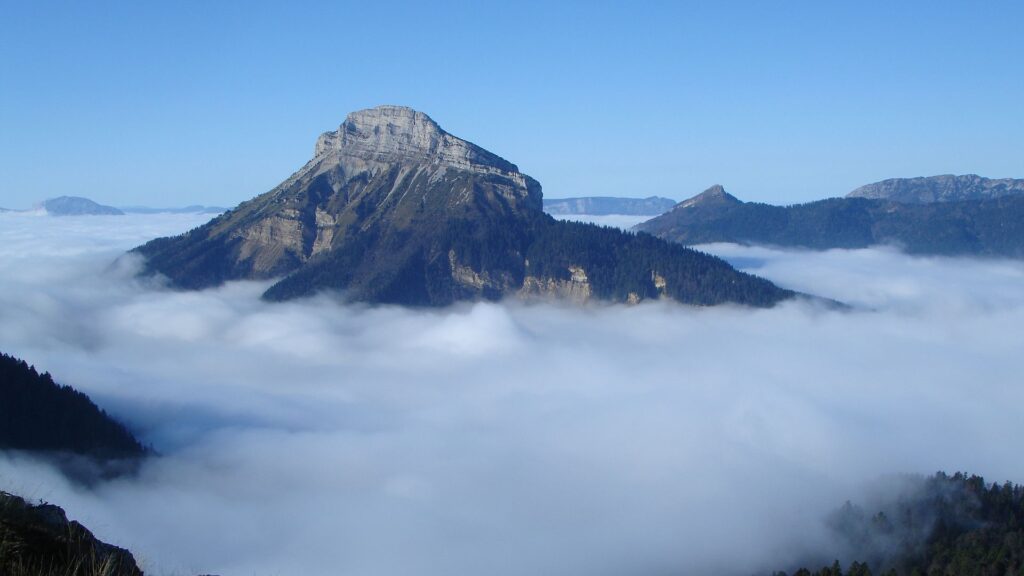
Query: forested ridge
{"type": "Point", "coordinates": [957, 525]}
{"type": "Point", "coordinates": [617, 265]}
{"type": "Point", "coordinates": [990, 227]}
{"type": "Point", "coordinates": [38, 414]}
{"type": "Point", "coordinates": [620, 263]}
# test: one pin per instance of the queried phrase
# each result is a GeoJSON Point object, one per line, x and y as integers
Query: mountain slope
{"type": "Point", "coordinates": [944, 188]}
{"type": "Point", "coordinates": [393, 209]}
{"type": "Point", "coordinates": [993, 227]}
{"type": "Point", "coordinates": [40, 415]}
{"type": "Point", "coordinates": [605, 205]}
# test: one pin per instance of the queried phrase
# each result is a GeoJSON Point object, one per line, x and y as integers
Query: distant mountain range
{"type": "Point", "coordinates": [943, 188]}
{"type": "Point", "coordinates": [606, 205]}
{"type": "Point", "coordinates": [79, 206]}
{"type": "Point", "coordinates": [990, 226]}
{"type": "Point", "coordinates": [393, 209]}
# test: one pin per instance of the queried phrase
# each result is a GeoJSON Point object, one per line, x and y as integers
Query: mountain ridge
{"type": "Point", "coordinates": [940, 188]}
{"type": "Point", "coordinates": [988, 227]}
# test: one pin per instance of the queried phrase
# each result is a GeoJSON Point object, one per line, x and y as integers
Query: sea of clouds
{"type": "Point", "coordinates": [508, 439]}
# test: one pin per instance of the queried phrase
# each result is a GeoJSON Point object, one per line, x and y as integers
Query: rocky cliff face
{"type": "Point", "coordinates": [944, 188]}
{"type": "Point", "coordinates": [392, 208]}
{"type": "Point", "coordinates": [388, 134]}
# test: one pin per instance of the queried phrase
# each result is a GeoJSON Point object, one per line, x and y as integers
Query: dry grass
{"type": "Point", "coordinates": [37, 541]}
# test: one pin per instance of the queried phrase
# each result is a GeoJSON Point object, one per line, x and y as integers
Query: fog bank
{"type": "Point", "coordinates": [313, 438]}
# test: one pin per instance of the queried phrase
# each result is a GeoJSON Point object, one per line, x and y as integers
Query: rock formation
{"type": "Point", "coordinates": [38, 539]}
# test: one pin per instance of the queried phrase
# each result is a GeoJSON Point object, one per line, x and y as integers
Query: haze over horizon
{"type": "Point", "coordinates": [195, 103]}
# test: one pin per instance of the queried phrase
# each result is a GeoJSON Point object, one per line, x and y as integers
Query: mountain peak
{"type": "Point", "coordinates": [398, 133]}
{"type": "Point", "coordinates": [384, 129]}
{"type": "Point", "coordinates": [713, 196]}
{"type": "Point", "coordinates": [390, 113]}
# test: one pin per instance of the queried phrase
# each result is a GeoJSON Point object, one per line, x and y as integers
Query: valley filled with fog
{"type": "Point", "coordinates": [314, 437]}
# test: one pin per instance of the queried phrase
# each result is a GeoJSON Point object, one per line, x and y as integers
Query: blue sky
{"type": "Point", "coordinates": [214, 102]}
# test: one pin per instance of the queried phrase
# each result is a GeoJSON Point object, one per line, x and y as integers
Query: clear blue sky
{"type": "Point", "coordinates": [173, 103]}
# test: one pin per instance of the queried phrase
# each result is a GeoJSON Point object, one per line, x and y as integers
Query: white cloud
{"type": "Point", "coordinates": [313, 438]}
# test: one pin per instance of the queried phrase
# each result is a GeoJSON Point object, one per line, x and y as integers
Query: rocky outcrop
{"type": "Point", "coordinates": [40, 540]}
{"type": "Point", "coordinates": [575, 289]}
{"type": "Point", "coordinates": [714, 196]}
{"type": "Point", "coordinates": [393, 209]}
{"type": "Point", "coordinates": [395, 133]}
{"type": "Point", "coordinates": [944, 188]}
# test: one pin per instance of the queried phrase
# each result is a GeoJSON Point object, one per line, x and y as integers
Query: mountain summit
{"type": "Point", "coordinates": [397, 133]}
{"type": "Point", "coordinates": [393, 209]}
{"type": "Point", "coordinates": [714, 196]}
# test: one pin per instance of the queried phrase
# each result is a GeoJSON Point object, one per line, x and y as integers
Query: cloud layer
{"type": "Point", "coordinates": [314, 438]}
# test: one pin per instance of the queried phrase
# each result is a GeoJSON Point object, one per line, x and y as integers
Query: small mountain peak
{"type": "Point", "coordinates": [713, 196]}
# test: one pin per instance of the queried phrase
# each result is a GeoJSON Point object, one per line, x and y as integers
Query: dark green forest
{"type": "Point", "coordinates": [400, 267]}
{"type": "Point", "coordinates": [38, 414]}
{"type": "Point", "coordinates": [619, 263]}
{"type": "Point", "coordinates": [942, 525]}
{"type": "Point", "coordinates": [993, 227]}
